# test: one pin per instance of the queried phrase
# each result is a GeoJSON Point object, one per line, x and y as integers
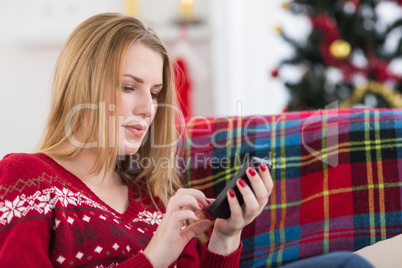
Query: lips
{"type": "Point", "coordinates": [136, 130]}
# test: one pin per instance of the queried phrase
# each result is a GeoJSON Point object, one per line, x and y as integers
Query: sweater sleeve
{"type": "Point", "coordinates": [139, 260]}
{"type": "Point", "coordinates": [202, 257]}
{"type": "Point", "coordinates": [25, 238]}
{"type": "Point", "coordinates": [210, 259]}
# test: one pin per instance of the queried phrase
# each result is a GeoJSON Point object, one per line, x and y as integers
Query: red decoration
{"type": "Point", "coordinates": [331, 33]}
{"type": "Point", "coordinates": [183, 86]}
{"type": "Point", "coordinates": [379, 69]}
{"type": "Point", "coordinates": [375, 67]}
{"type": "Point", "coordinates": [275, 73]}
{"type": "Point", "coordinates": [356, 3]}
{"type": "Point", "coordinates": [399, 2]}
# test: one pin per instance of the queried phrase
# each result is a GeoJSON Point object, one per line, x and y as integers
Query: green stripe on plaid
{"type": "Point", "coordinates": [336, 175]}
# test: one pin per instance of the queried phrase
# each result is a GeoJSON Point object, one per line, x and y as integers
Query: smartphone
{"type": "Point", "coordinates": [220, 208]}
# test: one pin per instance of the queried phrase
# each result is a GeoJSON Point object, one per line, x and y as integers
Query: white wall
{"type": "Point", "coordinates": [29, 46]}
{"type": "Point", "coordinates": [238, 47]}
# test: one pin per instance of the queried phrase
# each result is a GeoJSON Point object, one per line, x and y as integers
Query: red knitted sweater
{"type": "Point", "coordinates": [50, 218]}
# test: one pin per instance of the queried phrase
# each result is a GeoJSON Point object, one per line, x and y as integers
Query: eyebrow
{"type": "Point", "coordinates": [139, 80]}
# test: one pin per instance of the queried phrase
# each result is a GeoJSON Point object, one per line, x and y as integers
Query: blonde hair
{"type": "Point", "coordinates": [91, 63]}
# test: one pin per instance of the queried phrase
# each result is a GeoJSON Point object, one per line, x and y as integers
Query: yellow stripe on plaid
{"type": "Point", "coordinates": [283, 191]}
{"type": "Point", "coordinates": [380, 177]}
{"type": "Point", "coordinates": [331, 192]}
{"type": "Point", "coordinates": [272, 197]}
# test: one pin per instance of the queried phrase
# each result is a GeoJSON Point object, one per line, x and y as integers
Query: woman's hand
{"type": "Point", "coordinates": [226, 234]}
{"type": "Point", "coordinates": [170, 237]}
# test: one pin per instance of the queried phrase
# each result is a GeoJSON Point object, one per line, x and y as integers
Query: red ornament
{"type": "Point", "coordinates": [275, 73]}
{"type": "Point", "coordinates": [399, 2]}
{"type": "Point", "coordinates": [328, 26]}
{"type": "Point", "coordinates": [356, 3]}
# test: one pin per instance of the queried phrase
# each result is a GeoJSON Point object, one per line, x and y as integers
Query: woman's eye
{"type": "Point", "coordinates": [127, 89]}
{"type": "Point", "coordinates": [155, 95]}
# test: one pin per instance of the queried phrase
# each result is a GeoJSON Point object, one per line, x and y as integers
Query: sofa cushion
{"type": "Point", "coordinates": [337, 182]}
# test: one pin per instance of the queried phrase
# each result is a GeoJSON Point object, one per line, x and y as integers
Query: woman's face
{"type": "Point", "coordinates": [142, 82]}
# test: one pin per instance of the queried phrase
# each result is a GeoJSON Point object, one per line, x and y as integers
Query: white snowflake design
{"type": "Point", "coordinates": [43, 202]}
{"type": "Point", "coordinates": [149, 217]}
{"type": "Point", "coordinates": [12, 209]}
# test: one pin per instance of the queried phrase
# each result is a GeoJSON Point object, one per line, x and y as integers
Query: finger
{"type": "Point", "coordinates": [197, 194]}
{"type": "Point", "coordinates": [176, 219]}
{"type": "Point", "coordinates": [236, 211]}
{"type": "Point", "coordinates": [266, 177]}
{"type": "Point", "coordinates": [178, 202]}
{"type": "Point", "coordinates": [210, 201]}
{"type": "Point", "coordinates": [258, 186]}
{"type": "Point", "coordinates": [251, 204]}
{"type": "Point", "coordinates": [195, 229]}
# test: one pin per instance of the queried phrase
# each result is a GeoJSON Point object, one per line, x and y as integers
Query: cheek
{"type": "Point", "coordinates": [125, 105]}
{"type": "Point", "coordinates": [155, 106]}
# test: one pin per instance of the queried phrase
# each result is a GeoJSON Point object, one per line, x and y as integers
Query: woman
{"type": "Point", "coordinates": [76, 203]}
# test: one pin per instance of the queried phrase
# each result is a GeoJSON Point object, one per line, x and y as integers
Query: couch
{"type": "Point", "coordinates": [337, 182]}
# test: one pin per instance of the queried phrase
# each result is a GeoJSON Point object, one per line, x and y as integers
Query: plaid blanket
{"type": "Point", "coordinates": [336, 176]}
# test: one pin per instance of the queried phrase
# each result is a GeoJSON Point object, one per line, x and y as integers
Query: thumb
{"type": "Point", "coordinates": [195, 229]}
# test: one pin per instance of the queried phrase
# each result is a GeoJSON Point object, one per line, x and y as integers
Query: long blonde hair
{"type": "Point", "coordinates": [90, 63]}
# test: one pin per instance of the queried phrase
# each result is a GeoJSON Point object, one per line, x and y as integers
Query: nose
{"type": "Point", "coordinates": [144, 105]}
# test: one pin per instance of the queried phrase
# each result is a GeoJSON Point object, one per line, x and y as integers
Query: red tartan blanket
{"type": "Point", "coordinates": [336, 173]}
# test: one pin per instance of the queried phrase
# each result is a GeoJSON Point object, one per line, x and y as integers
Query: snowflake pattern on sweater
{"type": "Point", "coordinates": [50, 218]}
{"type": "Point", "coordinates": [43, 203]}
{"type": "Point", "coordinates": [91, 230]}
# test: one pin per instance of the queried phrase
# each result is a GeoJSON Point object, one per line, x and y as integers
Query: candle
{"type": "Point", "coordinates": [186, 8]}
{"type": "Point", "coordinates": [131, 7]}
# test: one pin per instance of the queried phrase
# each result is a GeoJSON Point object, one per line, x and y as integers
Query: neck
{"type": "Point", "coordinates": [81, 166]}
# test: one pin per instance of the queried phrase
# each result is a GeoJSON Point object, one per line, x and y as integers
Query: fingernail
{"type": "Point", "coordinates": [252, 171]}
{"type": "Point", "coordinates": [198, 216]}
{"type": "Point", "coordinates": [263, 167]}
{"type": "Point", "coordinates": [242, 183]}
{"type": "Point", "coordinates": [231, 193]}
{"type": "Point", "coordinates": [200, 205]}
{"type": "Point", "coordinates": [206, 200]}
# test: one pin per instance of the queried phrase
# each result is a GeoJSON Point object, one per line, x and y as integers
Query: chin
{"type": "Point", "coordinates": [129, 146]}
{"type": "Point", "coordinates": [127, 151]}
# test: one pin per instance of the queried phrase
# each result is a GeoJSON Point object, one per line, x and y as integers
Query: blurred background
{"type": "Point", "coordinates": [236, 57]}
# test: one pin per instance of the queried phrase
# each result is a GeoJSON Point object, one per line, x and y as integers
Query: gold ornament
{"type": "Point", "coordinates": [392, 97]}
{"type": "Point", "coordinates": [278, 29]}
{"type": "Point", "coordinates": [286, 5]}
{"type": "Point", "coordinates": [340, 49]}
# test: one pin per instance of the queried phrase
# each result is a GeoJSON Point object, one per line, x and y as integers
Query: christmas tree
{"type": "Point", "coordinates": [349, 56]}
